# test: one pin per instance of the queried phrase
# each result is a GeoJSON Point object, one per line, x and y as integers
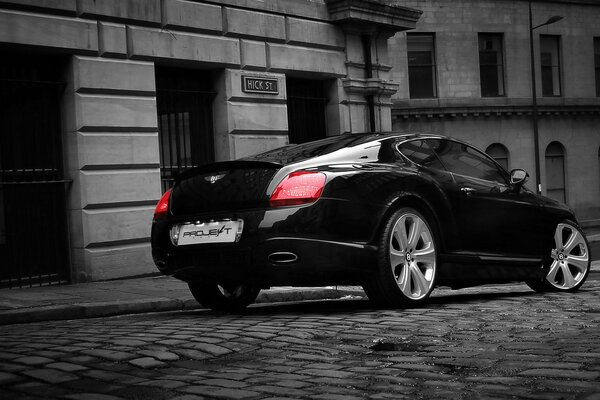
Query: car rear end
{"type": "Point", "coordinates": [264, 223]}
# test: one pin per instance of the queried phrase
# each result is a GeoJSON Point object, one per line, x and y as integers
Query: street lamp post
{"type": "Point", "coordinates": [534, 108]}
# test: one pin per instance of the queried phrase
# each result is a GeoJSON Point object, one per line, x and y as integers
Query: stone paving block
{"type": "Point", "coordinates": [147, 362]}
{"type": "Point", "coordinates": [279, 391]}
{"type": "Point", "coordinates": [428, 375]}
{"type": "Point", "coordinates": [8, 378]}
{"type": "Point", "coordinates": [220, 392]}
{"type": "Point", "coordinates": [163, 383]}
{"type": "Point", "coordinates": [92, 396]}
{"type": "Point", "coordinates": [193, 354]}
{"type": "Point", "coordinates": [227, 383]}
{"type": "Point", "coordinates": [67, 367]}
{"type": "Point", "coordinates": [211, 349]}
{"type": "Point", "coordinates": [36, 388]}
{"type": "Point", "coordinates": [560, 373]}
{"type": "Point", "coordinates": [33, 360]}
{"type": "Point", "coordinates": [109, 354]}
{"type": "Point", "coordinates": [51, 375]}
{"type": "Point", "coordinates": [160, 355]}
{"type": "Point", "coordinates": [331, 396]}
{"type": "Point", "coordinates": [328, 374]}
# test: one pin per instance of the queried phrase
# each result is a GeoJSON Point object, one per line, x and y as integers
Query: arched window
{"type": "Point", "coordinates": [555, 172]}
{"type": "Point", "coordinates": [499, 153]}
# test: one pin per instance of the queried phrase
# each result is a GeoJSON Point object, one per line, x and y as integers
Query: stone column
{"type": "Point", "coordinates": [250, 121]}
{"type": "Point", "coordinates": [111, 154]}
{"type": "Point", "coordinates": [368, 25]}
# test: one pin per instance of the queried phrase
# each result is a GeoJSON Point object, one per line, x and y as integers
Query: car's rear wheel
{"type": "Point", "coordinates": [406, 262]}
{"type": "Point", "coordinates": [569, 263]}
{"type": "Point", "coordinates": [224, 297]}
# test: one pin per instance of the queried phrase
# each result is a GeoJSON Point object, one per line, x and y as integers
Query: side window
{"type": "Point", "coordinates": [461, 159]}
{"type": "Point", "coordinates": [419, 152]}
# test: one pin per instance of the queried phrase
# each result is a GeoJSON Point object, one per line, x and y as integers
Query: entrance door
{"type": "Point", "coordinates": [33, 233]}
{"type": "Point", "coordinates": [306, 110]}
{"type": "Point", "coordinates": [185, 124]}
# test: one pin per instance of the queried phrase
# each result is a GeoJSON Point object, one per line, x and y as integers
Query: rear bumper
{"type": "Point", "coordinates": [319, 244]}
{"type": "Point", "coordinates": [314, 262]}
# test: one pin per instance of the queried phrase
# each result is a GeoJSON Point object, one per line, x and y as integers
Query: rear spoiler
{"type": "Point", "coordinates": [226, 165]}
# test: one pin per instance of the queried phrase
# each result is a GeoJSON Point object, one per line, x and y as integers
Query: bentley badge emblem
{"type": "Point", "coordinates": [213, 178]}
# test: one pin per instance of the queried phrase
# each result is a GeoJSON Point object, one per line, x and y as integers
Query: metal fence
{"type": "Point", "coordinates": [185, 122]}
{"type": "Point", "coordinates": [33, 227]}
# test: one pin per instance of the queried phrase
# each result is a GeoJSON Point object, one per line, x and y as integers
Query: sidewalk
{"type": "Point", "coordinates": [130, 296]}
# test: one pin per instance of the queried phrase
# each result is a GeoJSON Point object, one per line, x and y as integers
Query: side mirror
{"type": "Point", "coordinates": [518, 177]}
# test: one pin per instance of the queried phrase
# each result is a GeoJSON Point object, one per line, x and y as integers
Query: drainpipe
{"type": "Point", "coordinates": [366, 41]}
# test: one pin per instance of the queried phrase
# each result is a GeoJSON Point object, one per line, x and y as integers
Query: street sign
{"type": "Point", "coordinates": [252, 84]}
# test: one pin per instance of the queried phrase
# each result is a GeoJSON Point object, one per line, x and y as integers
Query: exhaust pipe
{"type": "Point", "coordinates": [282, 257]}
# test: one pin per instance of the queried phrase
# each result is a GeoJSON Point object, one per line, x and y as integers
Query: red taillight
{"type": "Point", "coordinates": [298, 188]}
{"type": "Point", "coordinates": [163, 205]}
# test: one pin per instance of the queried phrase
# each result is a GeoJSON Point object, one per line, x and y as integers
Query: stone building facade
{"type": "Point", "coordinates": [476, 56]}
{"type": "Point", "coordinates": [103, 101]}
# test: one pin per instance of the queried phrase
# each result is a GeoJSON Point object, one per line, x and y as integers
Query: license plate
{"type": "Point", "coordinates": [226, 231]}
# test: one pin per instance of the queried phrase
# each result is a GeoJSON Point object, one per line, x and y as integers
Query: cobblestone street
{"type": "Point", "coordinates": [490, 342]}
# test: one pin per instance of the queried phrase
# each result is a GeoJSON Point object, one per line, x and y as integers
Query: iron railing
{"type": "Point", "coordinates": [33, 227]}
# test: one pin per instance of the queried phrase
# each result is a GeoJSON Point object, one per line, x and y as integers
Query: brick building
{"type": "Point", "coordinates": [465, 71]}
{"type": "Point", "coordinates": [104, 101]}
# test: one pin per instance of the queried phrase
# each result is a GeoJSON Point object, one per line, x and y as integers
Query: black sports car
{"type": "Point", "coordinates": [396, 213]}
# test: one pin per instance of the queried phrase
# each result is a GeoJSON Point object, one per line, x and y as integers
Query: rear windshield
{"type": "Point", "coordinates": [300, 152]}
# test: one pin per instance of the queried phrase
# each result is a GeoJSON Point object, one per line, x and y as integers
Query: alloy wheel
{"type": "Point", "coordinates": [570, 258]}
{"type": "Point", "coordinates": [412, 256]}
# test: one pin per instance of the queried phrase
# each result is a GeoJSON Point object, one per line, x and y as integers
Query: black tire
{"type": "Point", "coordinates": [568, 265]}
{"type": "Point", "coordinates": [406, 269]}
{"type": "Point", "coordinates": [228, 298]}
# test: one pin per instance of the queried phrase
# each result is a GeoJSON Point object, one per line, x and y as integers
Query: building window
{"type": "Point", "coordinates": [421, 65]}
{"type": "Point", "coordinates": [306, 103]}
{"type": "Point", "coordinates": [555, 172]}
{"type": "Point", "coordinates": [491, 64]}
{"type": "Point", "coordinates": [185, 126]}
{"type": "Point", "coordinates": [597, 64]}
{"type": "Point", "coordinates": [499, 153]}
{"type": "Point", "coordinates": [550, 62]}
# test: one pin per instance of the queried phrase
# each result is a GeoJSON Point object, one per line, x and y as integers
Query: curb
{"type": "Point", "coordinates": [108, 309]}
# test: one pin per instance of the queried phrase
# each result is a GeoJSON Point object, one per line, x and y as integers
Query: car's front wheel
{"type": "Point", "coordinates": [407, 261]}
{"type": "Point", "coordinates": [226, 297]}
{"type": "Point", "coordinates": [569, 261]}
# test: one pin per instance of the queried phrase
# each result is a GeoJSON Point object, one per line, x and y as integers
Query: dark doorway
{"type": "Point", "coordinates": [33, 227]}
{"type": "Point", "coordinates": [306, 103]}
{"type": "Point", "coordinates": [185, 125]}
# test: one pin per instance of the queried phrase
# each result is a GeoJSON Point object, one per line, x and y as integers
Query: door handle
{"type": "Point", "coordinates": [467, 190]}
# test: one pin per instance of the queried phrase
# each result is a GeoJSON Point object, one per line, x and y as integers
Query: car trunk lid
{"type": "Point", "coordinates": [230, 185]}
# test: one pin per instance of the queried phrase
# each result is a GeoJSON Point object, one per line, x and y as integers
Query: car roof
{"type": "Point", "coordinates": [297, 153]}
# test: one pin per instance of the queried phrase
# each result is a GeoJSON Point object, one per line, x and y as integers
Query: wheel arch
{"type": "Point", "coordinates": [421, 204]}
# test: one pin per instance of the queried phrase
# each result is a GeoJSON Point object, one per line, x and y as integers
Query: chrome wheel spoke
{"type": "Point", "coordinates": [568, 279]}
{"type": "Point", "coordinates": [416, 230]}
{"type": "Point", "coordinates": [558, 237]}
{"type": "Point", "coordinates": [404, 279]}
{"type": "Point", "coordinates": [397, 257]}
{"type": "Point", "coordinates": [574, 240]}
{"type": "Point", "coordinates": [400, 234]}
{"type": "Point", "coordinates": [426, 255]}
{"type": "Point", "coordinates": [553, 270]}
{"type": "Point", "coordinates": [579, 262]}
{"type": "Point", "coordinates": [422, 283]}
